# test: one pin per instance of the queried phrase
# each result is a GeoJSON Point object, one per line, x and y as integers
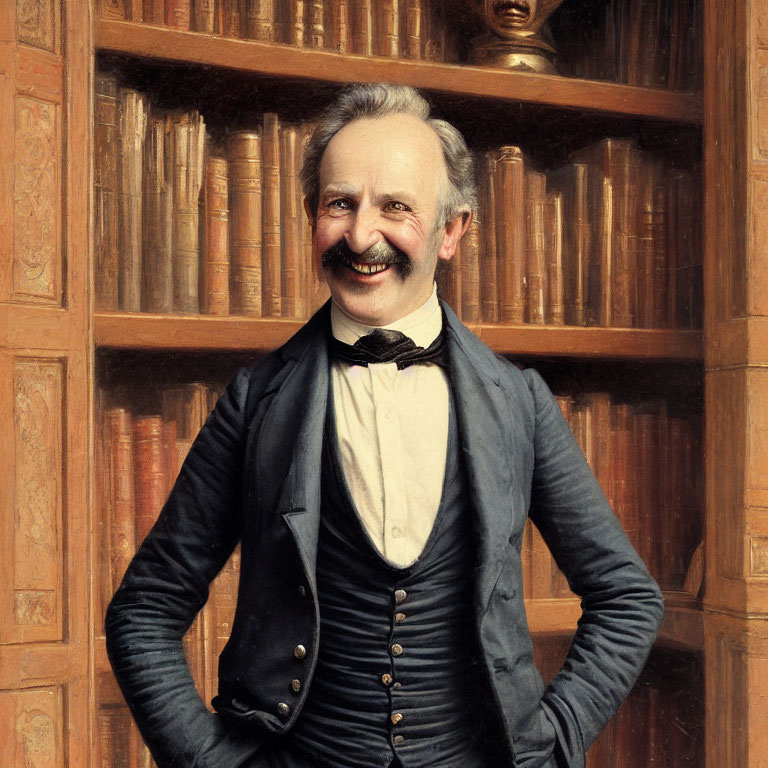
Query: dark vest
{"type": "Point", "coordinates": [397, 673]}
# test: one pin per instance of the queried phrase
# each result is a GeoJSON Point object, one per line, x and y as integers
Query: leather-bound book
{"type": "Point", "coordinates": [149, 472]}
{"type": "Point", "coordinates": [489, 287]}
{"type": "Point", "coordinates": [580, 200]}
{"type": "Point", "coordinates": [259, 18]}
{"type": "Point", "coordinates": [132, 111]}
{"type": "Point", "coordinates": [542, 566]}
{"type": "Point", "coordinates": [105, 192]}
{"type": "Point", "coordinates": [470, 273]}
{"type": "Point", "coordinates": [246, 239]}
{"type": "Point", "coordinates": [157, 217]}
{"type": "Point", "coordinates": [169, 455]}
{"type": "Point", "coordinates": [316, 24]}
{"type": "Point", "coordinates": [114, 723]}
{"type": "Point", "coordinates": [412, 47]}
{"type": "Point", "coordinates": [526, 559]}
{"type": "Point", "coordinates": [188, 163]}
{"type": "Point", "coordinates": [154, 12]}
{"type": "Point", "coordinates": [621, 458]}
{"type": "Point", "coordinates": [362, 26]}
{"type": "Point", "coordinates": [617, 159]}
{"type": "Point", "coordinates": [448, 279]}
{"type": "Point", "coordinates": [119, 490]}
{"type": "Point", "coordinates": [271, 263]}
{"type": "Point", "coordinates": [337, 30]}
{"type": "Point", "coordinates": [388, 28]}
{"type": "Point", "coordinates": [178, 14]}
{"type": "Point", "coordinates": [188, 407]}
{"type": "Point", "coordinates": [536, 266]}
{"type": "Point", "coordinates": [204, 16]}
{"type": "Point", "coordinates": [649, 500]}
{"type": "Point", "coordinates": [293, 282]}
{"type": "Point", "coordinates": [560, 587]}
{"type": "Point", "coordinates": [598, 438]}
{"type": "Point", "coordinates": [510, 233]}
{"type": "Point", "coordinates": [434, 30]}
{"type": "Point", "coordinates": [216, 243]}
{"type": "Point", "coordinates": [296, 22]}
{"type": "Point", "coordinates": [553, 248]}
{"type": "Point", "coordinates": [230, 20]}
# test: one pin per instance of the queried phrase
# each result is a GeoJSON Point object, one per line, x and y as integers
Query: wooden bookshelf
{"type": "Point", "coordinates": [159, 43]}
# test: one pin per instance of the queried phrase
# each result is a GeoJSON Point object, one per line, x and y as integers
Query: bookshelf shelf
{"type": "Point", "coordinates": [161, 43]}
{"type": "Point", "coordinates": [122, 330]}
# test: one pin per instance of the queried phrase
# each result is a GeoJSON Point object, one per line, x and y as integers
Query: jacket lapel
{"type": "Point", "coordinates": [487, 443]}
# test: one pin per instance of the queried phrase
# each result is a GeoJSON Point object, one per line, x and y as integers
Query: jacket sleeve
{"type": "Point", "coordinates": [165, 586]}
{"type": "Point", "coordinates": [622, 606]}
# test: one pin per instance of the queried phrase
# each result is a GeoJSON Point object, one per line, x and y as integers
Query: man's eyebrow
{"type": "Point", "coordinates": [339, 189]}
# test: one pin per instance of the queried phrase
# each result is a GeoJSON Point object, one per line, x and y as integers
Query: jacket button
{"type": "Point", "coordinates": [302, 591]}
{"type": "Point", "coordinates": [296, 685]}
{"type": "Point", "coordinates": [399, 739]}
{"type": "Point", "coordinates": [399, 617]}
{"type": "Point", "coordinates": [386, 679]}
{"type": "Point", "coordinates": [396, 718]}
{"type": "Point", "coordinates": [300, 652]}
{"type": "Point", "coordinates": [400, 595]}
{"type": "Point", "coordinates": [283, 709]}
{"type": "Point", "coordinates": [397, 649]}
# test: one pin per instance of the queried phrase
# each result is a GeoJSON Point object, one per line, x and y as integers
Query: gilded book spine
{"type": "Point", "coordinates": [246, 240]}
{"type": "Point", "coordinates": [412, 29]}
{"type": "Point", "coordinates": [216, 245]}
{"type": "Point", "coordinates": [388, 28]}
{"type": "Point", "coordinates": [149, 468]}
{"type": "Point", "coordinates": [177, 14]}
{"type": "Point", "coordinates": [105, 192]}
{"type": "Point", "coordinates": [489, 286]}
{"type": "Point", "coordinates": [554, 259]}
{"type": "Point", "coordinates": [470, 274]}
{"type": "Point", "coordinates": [535, 207]}
{"type": "Point", "coordinates": [292, 283]}
{"type": "Point", "coordinates": [204, 17]}
{"type": "Point", "coordinates": [362, 27]}
{"type": "Point", "coordinates": [154, 11]}
{"type": "Point", "coordinates": [316, 24]}
{"type": "Point", "coordinates": [271, 261]}
{"type": "Point", "coordinates": [296, 25]}
{"type": "Point", "coordinates": [337, 25]}
{"type": "Point", "coordinates": [230, 18]}
{"type": "Point", "coordinates": [260, 20]}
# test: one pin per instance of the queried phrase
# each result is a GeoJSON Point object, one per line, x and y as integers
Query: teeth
{"type": "Point", "coordinates": [369, 269]}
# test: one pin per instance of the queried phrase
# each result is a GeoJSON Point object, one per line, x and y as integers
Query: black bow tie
{"type": "Point", "coordinates": [386, 346]}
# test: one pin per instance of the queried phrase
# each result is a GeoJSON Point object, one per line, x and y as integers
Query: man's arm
{"type": "Point", "coordinates": [165, 586]}
{"type": "Point", "coordinates": [622, 605]}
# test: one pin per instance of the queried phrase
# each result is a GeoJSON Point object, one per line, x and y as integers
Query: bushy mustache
{"type": "Point", "coordinates": [340, 255]}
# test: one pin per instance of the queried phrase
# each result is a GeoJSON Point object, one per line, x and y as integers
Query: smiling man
{"type": "Point", "coordinates": [378, 471]}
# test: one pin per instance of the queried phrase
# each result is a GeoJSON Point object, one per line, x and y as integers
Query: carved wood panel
{"type": "Point", "coordinates": [31, 728]}
{"type": "Point", "coordinates": [38, 22]}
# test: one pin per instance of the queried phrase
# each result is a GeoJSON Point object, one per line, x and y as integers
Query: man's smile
{"type": "Point", "coordinates": [367, 268]}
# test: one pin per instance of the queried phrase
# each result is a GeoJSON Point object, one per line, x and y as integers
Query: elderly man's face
{"type": "Point", "coordinates": [375, 231]}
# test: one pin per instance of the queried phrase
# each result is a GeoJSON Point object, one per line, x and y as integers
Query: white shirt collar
{"type": "Point", "coordinates": [422, 326]}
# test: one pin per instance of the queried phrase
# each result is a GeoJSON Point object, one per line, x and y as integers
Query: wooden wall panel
{"type": "Point", "coordinates": [31, 728]}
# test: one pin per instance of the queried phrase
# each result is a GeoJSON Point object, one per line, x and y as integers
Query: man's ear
{"type": "Point", "coordinates": [453, 232]}
{"type": "Point", "coordinates": [308, 211]}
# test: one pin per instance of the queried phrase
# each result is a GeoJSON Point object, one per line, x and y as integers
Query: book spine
{"type": "Point", "coordinates": [470, 273]}
{"type": "Point", "coordinates": [271, 260]}
{"type": "Point", "coordinates": [660, 257]}
{"type": "Point", "coordinates": [245, 168]}
{"type": "Point", "coordinates": [260, 20]}
{"type": "Point", "coordinates": [388, 28]}
{"type": "Point", "coordinates": [105, 192]}
{"type": "Point", "coordinates": [154, 11]}
{"type": "Point", "coordinates": [623, 174]}
{"type": "Point", "coordinates": [316, 24]}
{"type": "Point", "coordinates": [133, 126]}
{"type": "Point", "coordinates": [362, 27]}
{"type": "Point", "coordinates": [601, 281]}
{"type": "Point", "coordinates": [169, 455]}
{"type": "Point", "coordinates": [230, 18]}
{"type": "Point", "coordinates": [536, 273]}
{"type": "Point", "coordinates": [216, 244]}
{"type": "Point", "coordinates": [296, 25]}
{"type": "Point", "coordinates": [177, 14]}
{"type": "Point", "coordinates": [157, 236]}
{"type": "Point", "coordinates": [554, 259]}
{"type": "Point", "coordinates": [489, 286]}
{"type": "Point", "coordinates": [413, 29]}
{"type": "Point", "coordinates": [204, 16]}
{"type": "Point", "coordinates": [292, 283]}
{"type": "Point", "coordinates": [337, 25]}
{"type": "Point", "coordinates": [149, 469]}
{"type": "Point", "coordinates": [510, 233]}
{"type": "Point", "coordinates": [448, 279]}
{"type": "Point", "coordinates": [189, 146]}
{"type": "Point", "coordinates": [433, 31]}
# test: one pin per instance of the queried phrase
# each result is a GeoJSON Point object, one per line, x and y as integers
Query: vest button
{"type": "Point", "coordinates": [283, 709]}
{"type": "Point", "coordinates": [397, 649]}
{"type": "Point", "coordinates": [296, 685]}
{"type": "Point", "coordinates": [396, 718]}
{"type": "Point", "coordinates": [302, 591]}
{"type": "Point", "coordinates": [300, 652]}
{"type": "Point", "coordinates": [400, 595]}
{"type": "Point", "coordinates": [399, 618]}
{"type": "Point", "coordinates": [399, 739]}
{"type": "Point", "coordinates": [386, 679]}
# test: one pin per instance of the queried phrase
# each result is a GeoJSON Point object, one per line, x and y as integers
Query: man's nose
{"type": "Point", "coordinates": [363, 230]}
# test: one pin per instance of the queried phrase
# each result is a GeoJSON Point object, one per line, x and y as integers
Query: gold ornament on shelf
{"type": "Point", "coordinates": [514, 38]}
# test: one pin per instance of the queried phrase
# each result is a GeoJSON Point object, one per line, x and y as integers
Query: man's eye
{"type": "Point", "coordinates": [339, 205]}
{"type": "Point", "coordinates": [398, 207]}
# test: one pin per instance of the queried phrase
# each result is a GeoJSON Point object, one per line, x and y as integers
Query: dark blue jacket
{"type": "Point", "coordinates": [253, 475]}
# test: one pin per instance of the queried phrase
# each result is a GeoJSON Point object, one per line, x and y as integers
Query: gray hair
{"type": "Point", "coordinates": [360, 100]}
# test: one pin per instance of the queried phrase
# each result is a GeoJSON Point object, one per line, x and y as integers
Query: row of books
{"type": "Point", "coordinates": [650, 43]}
{"type": "Point", "coordinates": [412, 29]}
{"type": "Point", "coordinates": [119, 742]}
{"type": "Point", "coordinates": [647, 463]}
{"type": "Point", "coordinates": [611, 239]}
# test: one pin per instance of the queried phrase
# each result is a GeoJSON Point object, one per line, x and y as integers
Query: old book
{"type": "Point", "coordinates": [169, 455]}
{"type": "Point", "coordinates": [259, 20]}
{"type": "Point", "coordinates": [510, 233]}
{"type": "Point", "coordinates": [489, 287]}
{"type": "Point", "coordinates": [114, 723]}
{"type": "Point", "coordinates": [388, 28]}
{"type": "Point", "coordinates": [622, 460]}
{"type": "Point", "coordinates": [553, 249]}
{"type": "Point", "coordinates": [292, 278]}
{"type": "Point", "coordinates": [178, 14]}
{"type": "Point", "coordinates": [296, 22]}
{"type": "Point", "coordinates": [361, 22]}
{"type": "Point", "coordinates": [337, 25]}
{"type": "Point", "coordinates": [188, 154]}
{"type": "Point", "coordinates": [132, 110]}
{"type": "Point", "coordinates": [434, 31]}
{"type": "Point", "coordinates": [560, 586]}
{"type": "Point", "coordinates": [216, 243]}
{"type": "Point", "coordinates": [448, 279]}
{"type": "Point", "coordinates": [271, 287]}
{"type": "Point", "coordinates": [105, 204]}
{"type": "Point", "coordinates": [204, 16]}
{"type": "Point", "coordinates": [536, 267]}
{"type": "Point", "coordinates": [412, 48]}
{"type": "Point", "coordinates": [526, 559]}
{"type": "Point", "coordinates": [154, 11]}
{"type": "Point", "coordinates": [157, 235]}
{"type": "Point", "coordinates": [647, 440]}
{"type": "Point", "coordinates": [149, 472]}
{"type": "Point", "coordinates": [316, 24]}
{"type": "Point", "coordinates": [246, 227]}
{"type": "Point", "coordinates": [598, 438]}
{"type": "Point", "coordinates": [187, 406]}
{"type": "Point", "coordinates": [470, 273]}
{"type": "Point", "coordinates": [229, 18]}
{"type": "Point", "coordinates": [542, 566]}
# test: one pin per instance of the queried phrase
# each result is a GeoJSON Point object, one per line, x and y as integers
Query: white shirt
{"type": "Point", "coordinates": [392, 428]}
